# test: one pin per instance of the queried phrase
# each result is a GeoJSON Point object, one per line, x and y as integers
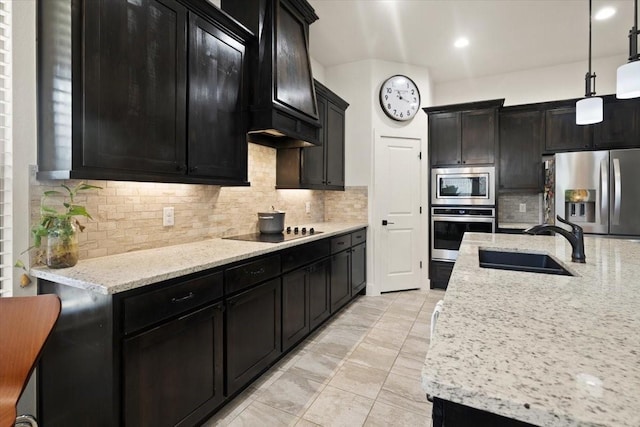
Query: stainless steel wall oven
{"type": "Point", "coordinates": [448, 225]}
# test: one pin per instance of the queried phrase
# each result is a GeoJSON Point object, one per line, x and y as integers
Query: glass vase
{"type": "Point", "coordinates": [62, 244]}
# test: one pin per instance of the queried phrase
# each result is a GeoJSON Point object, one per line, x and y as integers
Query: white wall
{"type": "Point", "coordinates": [537, 85]}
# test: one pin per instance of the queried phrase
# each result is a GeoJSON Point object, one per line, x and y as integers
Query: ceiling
{"type": "Point", "coordinates": [505, 35]}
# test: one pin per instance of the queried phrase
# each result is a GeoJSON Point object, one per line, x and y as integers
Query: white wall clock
{"type": "Point", "coordinates": [399, 98]}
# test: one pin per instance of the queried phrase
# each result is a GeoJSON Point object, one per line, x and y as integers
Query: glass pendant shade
{"type": "Point", "coordinates": [589, 110]}
{"type": "Point", "coordinates": [628, 81]}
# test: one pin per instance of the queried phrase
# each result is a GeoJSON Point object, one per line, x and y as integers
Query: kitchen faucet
{"type": "Point", "coordinates": [575, 236]}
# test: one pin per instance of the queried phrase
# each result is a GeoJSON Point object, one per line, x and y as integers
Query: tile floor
{"type": "Point", "coordinates": [362, 368]}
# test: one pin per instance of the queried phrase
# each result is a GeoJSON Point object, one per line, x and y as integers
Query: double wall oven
{"type": "Point", "coordinates": [462, 200]}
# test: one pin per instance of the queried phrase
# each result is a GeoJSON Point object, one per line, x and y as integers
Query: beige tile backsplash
{"type": "Point", "coordinates": [127, 216]}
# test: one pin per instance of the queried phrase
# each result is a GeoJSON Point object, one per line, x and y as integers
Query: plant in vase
{"type": "Point", "coordinates": [59, 227]}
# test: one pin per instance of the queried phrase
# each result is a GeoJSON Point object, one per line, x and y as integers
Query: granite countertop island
{"type": "Point", "coordinates": [544, 349]}
{"type": "Point", "coordinates": [122, 272]}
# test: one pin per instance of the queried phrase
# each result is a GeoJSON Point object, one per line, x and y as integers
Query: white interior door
{"type": "Point", "coordinates": [397, 204]}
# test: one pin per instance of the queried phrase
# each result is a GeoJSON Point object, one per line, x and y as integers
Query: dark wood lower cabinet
{"type": "Point", "coordinates": [295, 307]}
{"type": "Point", "coordinates": [319, 292]}
{"type": "Point", "coordinates": [439, 274]}
{"type": "Point", "coordinates": [172, 353]}
{"type": "Point", "coordinates": [358, 268]}
{"type": "Point", "coordinates": [192, 346]}
{"type": "Point", "coordinates": [451, 414]}
{"type": "Point", "coordinates": [340, 280]}
{"type": "Point", "coordinates": [253, 333]}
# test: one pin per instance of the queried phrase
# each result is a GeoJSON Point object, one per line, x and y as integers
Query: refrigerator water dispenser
{"type": "Point", "coordinates": [580, 205]}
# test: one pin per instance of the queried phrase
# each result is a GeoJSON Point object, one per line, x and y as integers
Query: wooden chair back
{"type": "Point", "coordinates": [25, 325]}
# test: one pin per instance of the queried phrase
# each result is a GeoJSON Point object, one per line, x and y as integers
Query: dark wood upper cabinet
{"type": "Point", "coordinates": [561, 131]}
{"type": "Point", "coordinates": [323, 167]}
{"type": "Point", "coordinates": [216, 103]}
{"type": "Point", "coordinates": [284, 111]}
{"type": "Point", "coordinates": [620, 127]}
{"type": "Point", "coordinates": [521, 142]}
{"type": "Point", "coordinates": [463, 134]}
{"type": "Point", "coordinates": [151, 90]}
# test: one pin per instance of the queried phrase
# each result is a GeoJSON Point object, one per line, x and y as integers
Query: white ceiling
{"type": "Point", "coordinates": [505, 35]}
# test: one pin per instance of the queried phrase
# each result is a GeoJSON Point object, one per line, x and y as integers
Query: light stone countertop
{"type": "Point", "coordinates": [515, 225]}
{"type": "Point", "coordinates": [544, 349]}
{"type": "Point", "coordinates": [122, 272]}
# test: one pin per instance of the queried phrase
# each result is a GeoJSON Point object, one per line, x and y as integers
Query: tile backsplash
{"type": "Point", "coordinates": [127, 216]}
{"type": "Point", "coordinates": [509, 208]}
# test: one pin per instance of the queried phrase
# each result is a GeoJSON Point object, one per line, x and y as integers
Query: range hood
{"type": "Point", "coordinates": [284, 111]}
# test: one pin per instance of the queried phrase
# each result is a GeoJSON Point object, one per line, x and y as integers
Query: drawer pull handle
{"type": "Point", "coordinates": [257, 272]}
{"type": "Point", "coordinates": [183, 299]}
{"type": "Point", "coordinates": [340, 243]}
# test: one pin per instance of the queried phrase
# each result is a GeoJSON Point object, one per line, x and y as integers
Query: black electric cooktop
{"type": "Point", "coordinates": [274, 238]}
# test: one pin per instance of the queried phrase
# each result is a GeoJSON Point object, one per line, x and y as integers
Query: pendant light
{"type": "Point", "coordinates": [628, 82]}
{"type": "Point", "coordinates": [589, 109]}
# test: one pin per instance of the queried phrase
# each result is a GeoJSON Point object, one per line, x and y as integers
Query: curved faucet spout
{"type": "Point", "coordinates": [575, 237]}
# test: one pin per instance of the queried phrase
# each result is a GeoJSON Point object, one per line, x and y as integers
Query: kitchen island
{"type": "Point", "coordinates": [542, 349]}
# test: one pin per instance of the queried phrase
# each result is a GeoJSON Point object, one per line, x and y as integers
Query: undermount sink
{"type": "Point", "coordinates": [521, 261]}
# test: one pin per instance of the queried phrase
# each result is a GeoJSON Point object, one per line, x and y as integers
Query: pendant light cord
{"type": "Point", "coordinates": [590, 78]}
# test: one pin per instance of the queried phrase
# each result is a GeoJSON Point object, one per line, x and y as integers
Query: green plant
{"type": "Point", "coordinates": [56, 222]}
{"type": "Point", "coordinates": [50, 216]}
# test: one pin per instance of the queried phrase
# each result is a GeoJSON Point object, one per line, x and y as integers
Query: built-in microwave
{"type": "Point", "coordinates": [463, 186]}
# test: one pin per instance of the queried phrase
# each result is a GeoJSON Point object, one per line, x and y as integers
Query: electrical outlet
{"type": "Point", "coordinates": [523, 207]}
{"type": "Point", "coordinates": [168, 217]}
{"type": "Point", "coordinates": [307, 207]}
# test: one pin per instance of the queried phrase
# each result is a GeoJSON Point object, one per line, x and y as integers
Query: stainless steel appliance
{"type": "Point", "coordinates": [599, 190]}
{"type": "Point", "coordinates": [463, 186]}
{"type": "Point", "coordinates": [448, 225]}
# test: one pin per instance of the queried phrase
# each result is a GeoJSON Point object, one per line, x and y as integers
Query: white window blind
{"type": "Point", "coordinates": [6, 258]}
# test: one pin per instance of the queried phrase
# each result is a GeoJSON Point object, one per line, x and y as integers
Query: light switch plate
{"type": "Point", "coordinates": [168, 217]}
{"type": "Point", "coordinates": [523, 207]}
{"type": "Point", "coordinates": [307, 207]}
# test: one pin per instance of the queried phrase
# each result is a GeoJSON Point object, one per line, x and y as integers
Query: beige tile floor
{"type": "Point", "coordinates": [362, 368]}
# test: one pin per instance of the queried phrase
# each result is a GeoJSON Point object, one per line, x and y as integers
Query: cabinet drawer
{"type": "Point", "coordinates": [305, 254]}
{"type": "Point", "coordinates": [152, 307]}
{"type": "Point", "coordinates": [340, 243]}
{"type": "Point", "coordinates": [250, 273]}
{"type": "Point", "coordinates": [358, 237]}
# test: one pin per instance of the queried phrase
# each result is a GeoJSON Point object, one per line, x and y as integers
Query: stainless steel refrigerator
{"type": "Point", "coordinates": [600, 190]}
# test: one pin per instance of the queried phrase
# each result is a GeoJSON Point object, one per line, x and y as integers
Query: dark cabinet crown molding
{"type": "Point", "coordinates": [467, 106]}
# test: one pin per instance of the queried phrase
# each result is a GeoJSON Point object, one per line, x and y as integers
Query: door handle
{"type": "Point", "coordinates": [617, 191]}
{"type": "Point", "coordinates": [604, 191]}
{"type": "Point", "coordinates": [385, 222]}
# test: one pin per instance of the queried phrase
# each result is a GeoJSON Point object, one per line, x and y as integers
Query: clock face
{"type": "Point", "coordinates": [400, 98]}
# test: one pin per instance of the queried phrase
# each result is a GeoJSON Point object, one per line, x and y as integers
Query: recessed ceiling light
{"type": "Point", "coordinates": [605, 13]}
{"type": "Point", "coordinates": [461, 42]}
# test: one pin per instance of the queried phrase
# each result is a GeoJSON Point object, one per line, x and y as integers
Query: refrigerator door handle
{"type": "Point", "coordinates": [604, 191]}
{"type": "Point", "coordinates": [617, 192]}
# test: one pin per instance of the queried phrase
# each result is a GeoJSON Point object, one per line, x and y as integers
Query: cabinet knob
{"type": "Point", "coordinates": [458, 161]}
{"type": "Point", "coordinates": [180, 167]}
{"type": "Point", "coordinates": [193, 169]}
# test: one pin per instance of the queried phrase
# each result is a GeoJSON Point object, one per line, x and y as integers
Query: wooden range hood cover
{"type": "Point", "coordinates": [284, 111]}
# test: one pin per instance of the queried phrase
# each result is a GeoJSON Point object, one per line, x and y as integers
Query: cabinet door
{"type": "Point", "coordinates": [334, 137]}
{"type": "Point", "coordinates": [253, 333]}
{"type": "Point", "coordinates": [174, 370]}
{"type": "Point", "coordinates": [319, 292]}
{"type": "Point", "coordinates": [521, 150]}
{"type": "Point", "coordinates": [620, 127]}
{"type": "Point", "coordinates": [134, 86]}
{"type": "Point", "coordinates": [340, 282]}
{"type": "Point", "coordinates": [444, 138]}
{"type": "Point", "coordinates": [295, 307]}
{"type": "Point", "coordinates": [216, 122]}
{"type": "Point", "coordinates": [313, 158]}
{"type": "Point", "coordinates": [478, 136]}
{"type": "Point", "coordinates": [562, 133]}
{"type": "Point", "coordinates": [358, 268]}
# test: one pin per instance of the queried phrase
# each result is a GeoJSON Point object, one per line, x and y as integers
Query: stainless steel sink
{"type": "Point", "coordinates": [521, 261]}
